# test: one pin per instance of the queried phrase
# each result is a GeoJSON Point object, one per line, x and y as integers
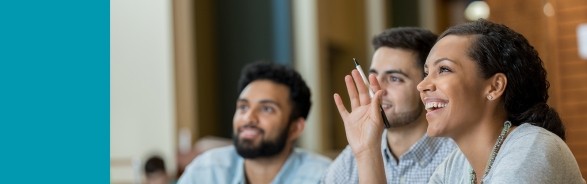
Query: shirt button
{"type": "Point", "coordinates": [402, 180]}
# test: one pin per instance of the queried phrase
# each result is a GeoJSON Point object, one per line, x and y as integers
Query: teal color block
{"type": "Point", "coordinates": [54, 91]}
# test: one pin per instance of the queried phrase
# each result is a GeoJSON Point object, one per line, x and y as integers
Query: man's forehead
{"type": "Point", "coordinates": [394, 67]}
{"type": "Point", "coordinates": [258, 100]}
{"type": "Point", "coordinates": [265, 91]}
{"type": "Point", "coordinates": [394, 63]}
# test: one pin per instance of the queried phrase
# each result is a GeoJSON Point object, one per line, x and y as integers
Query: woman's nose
{"type": "Point", "coordinates": [425, 85]}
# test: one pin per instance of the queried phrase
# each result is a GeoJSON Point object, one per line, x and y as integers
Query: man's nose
{"type": "Point", "coordinates": [251, 117]}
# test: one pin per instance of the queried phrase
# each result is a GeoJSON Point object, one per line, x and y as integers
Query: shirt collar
{"type": "Point", "coordinates": [239, 177]}
{"type": "Point", "coordinates": [285, 169]}
{"type": "Point", "coordinates": [421, 152]}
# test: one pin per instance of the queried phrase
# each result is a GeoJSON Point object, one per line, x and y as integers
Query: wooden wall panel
{"type": "Point", "coordinates": [565, 4]}
{"type": "Point", "coordinates": [343, 37]}
{"type": "Point", "coordinates": [569, 54]}
{"type": "Point", "coordinates": [573, 14]}
{"type": "Point", "coordinates": [574, 94]}
{"type": "Point", "coordinates": [568, 42]}
{"type": "Point", "coordinates": [575, 119]}
{"type": "Point", "coordinates": [574, 108]}
{"type": "Point", "coordinates": [556, 41]}
{"type": "Point", "coordinates": [575, 143]}
{"type": "Point", "coordinates": [573, 73]}
{"type": "Point", "coordinates": [573, 68]}
{"type": "Point", "coordinates": [568, 29]}
{"type": "Point", "coordinates": [574, 82]}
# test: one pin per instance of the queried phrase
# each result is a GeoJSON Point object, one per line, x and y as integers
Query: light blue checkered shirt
{"type": "Point", "coordinates": [415, 166]}
{"type": "Point", "coordinates": [224, 165]}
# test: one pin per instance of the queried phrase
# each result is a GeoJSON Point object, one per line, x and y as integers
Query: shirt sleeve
{"type": "Point", "coordinates": [213, 166]}
{"type": "Point", "coordinates": [438, 175]}
{"type": "Point", "coordinates": [188, 176]}
{"type": "Point", "coordinates": [539, 157]}
{"type": "Point", "coordinates": [342, 170]}
{"type": "Point", "coordinates": [453, 164]}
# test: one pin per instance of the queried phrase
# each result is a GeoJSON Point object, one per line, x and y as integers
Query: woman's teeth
{"type": "Point", "coordinates": [435, 105]}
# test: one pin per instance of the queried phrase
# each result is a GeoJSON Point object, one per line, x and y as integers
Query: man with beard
{"type": "Point", "coordinates": [409, 155]}
{"type": "Point", "coordinates": [270, 116]}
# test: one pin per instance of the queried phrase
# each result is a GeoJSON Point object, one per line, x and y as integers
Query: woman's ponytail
{"type": "Point", "coordinates": [543, 116]}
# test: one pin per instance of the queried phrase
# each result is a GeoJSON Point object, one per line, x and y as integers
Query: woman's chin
{"type": "Point", "coordinates": [433, 132]}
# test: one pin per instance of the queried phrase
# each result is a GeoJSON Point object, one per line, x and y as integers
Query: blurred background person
{"type": "Point", "coordinates": [155, 171]}
{"type": "Point", "coordinates": [270, 115]}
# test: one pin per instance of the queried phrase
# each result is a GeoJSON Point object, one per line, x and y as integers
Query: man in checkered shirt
{"type": "Point", "coordinates": [409, 155]}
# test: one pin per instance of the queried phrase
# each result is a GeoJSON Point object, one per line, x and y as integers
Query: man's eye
{"type": "Point", "coordinates": [267, 109]}
{"type": "Point", "coordinates": [395, 79]}
{"type": "Point", "coordinates": [242, 107]}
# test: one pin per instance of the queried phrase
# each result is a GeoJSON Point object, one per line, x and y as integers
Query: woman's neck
{"type": "Point", "coordinates": [477, 143]}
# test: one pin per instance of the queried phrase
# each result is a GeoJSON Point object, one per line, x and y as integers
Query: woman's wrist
{"type": "Point", "coordinates": [370, 165]}
{"type": "Point", "coordinates": [368, 153]}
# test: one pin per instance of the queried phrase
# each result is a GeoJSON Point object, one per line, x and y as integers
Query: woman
{"type": "Point", "coordinates": [486, 88]}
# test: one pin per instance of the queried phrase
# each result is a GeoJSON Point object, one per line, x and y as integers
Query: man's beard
{"type": "Point", "coordinates": [267, 148]}
{"type": "Point", "coordinates": [406, 118]}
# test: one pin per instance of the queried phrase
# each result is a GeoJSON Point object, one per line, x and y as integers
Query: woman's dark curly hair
{"type": "Point", "coordinates": [499, 49]}
{"type": "Point", "coordinates": [299, 93]}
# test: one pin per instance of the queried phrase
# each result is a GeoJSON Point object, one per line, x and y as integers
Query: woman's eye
{"type": "Point", "coordinates": [444, 69]}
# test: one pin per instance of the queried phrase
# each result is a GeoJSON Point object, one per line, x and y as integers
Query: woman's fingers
{"type": "Point", "coordinates": [376, 106]}
{"type": "Point", "coordinates": [352, 90]}
{"type": "Point", "coordinates": [364, 97]}
{"type": "Point", "coordinates": [374, 82]}
{"type": "Point", "coordinates": [340, 106]}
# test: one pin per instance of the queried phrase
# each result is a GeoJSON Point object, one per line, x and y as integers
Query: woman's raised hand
{"type": "Point", "coordinates": [364, 124]}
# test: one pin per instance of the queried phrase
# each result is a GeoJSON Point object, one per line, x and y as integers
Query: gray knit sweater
{"type": "Point", "coordinates": [529, 154]}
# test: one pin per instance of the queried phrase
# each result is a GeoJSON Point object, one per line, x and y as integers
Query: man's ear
{"type": "Point", "coordinates": [497, 84]}
{"type": "Point", "coordinates": [296, 128]}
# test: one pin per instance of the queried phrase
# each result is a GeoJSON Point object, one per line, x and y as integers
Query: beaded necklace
{"type": "Point", "coordinates": [504, 131]}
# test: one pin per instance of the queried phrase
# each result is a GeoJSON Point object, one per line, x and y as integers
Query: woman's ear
{"type": "Point", "coordinates": [497, 85]}
{"type": "Point", "coordinates": [296, 128]}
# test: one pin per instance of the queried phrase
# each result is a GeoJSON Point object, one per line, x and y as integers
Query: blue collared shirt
{"type": "Point", "coordinates": [414, 166]}
{"type": "Point", "coordinates": [224, 165]}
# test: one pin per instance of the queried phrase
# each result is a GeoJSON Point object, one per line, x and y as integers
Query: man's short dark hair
{"type": "Point", "coordinates": [299, 93]}
{"type": "Point", "coordinates": [418, 40]}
